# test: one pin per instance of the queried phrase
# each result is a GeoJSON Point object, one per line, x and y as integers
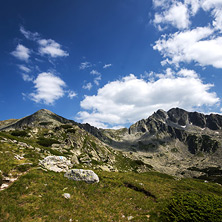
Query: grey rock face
{"type": "Point", "coordinates": [56, 163]}
{"type": "Point", "coordinates": [82, 175]}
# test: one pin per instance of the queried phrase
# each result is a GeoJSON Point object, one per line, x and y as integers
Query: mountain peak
{"type": "Point", "coordinates": [41, 117]}
{"type": "Point", "coordinates": [42, 111]}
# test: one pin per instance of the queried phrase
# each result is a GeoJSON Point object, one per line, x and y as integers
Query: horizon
{"type": "Point", "coordinates": [110, 64]}
{"type": "Point", "coordinates": [127, 127]}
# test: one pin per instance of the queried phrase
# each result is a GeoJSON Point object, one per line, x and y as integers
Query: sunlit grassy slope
{"type": "Point", "coordinates": [38, 196]}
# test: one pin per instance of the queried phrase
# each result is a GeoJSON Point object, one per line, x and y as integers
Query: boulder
{"type": "Point", "coordinates": [56, 163]}
{"type": "Point", "coordinates": [66, 195]}
{"type": "Point", "coordinates": [82, 175]}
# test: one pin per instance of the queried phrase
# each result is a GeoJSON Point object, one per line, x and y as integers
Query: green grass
{"type": "Point", "coordinates": [37, 196]}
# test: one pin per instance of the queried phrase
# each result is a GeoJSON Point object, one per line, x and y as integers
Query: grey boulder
{"type": "Point", "coordinates": [56, 163]}
{"type": "Point", "coordinates": [82, 175]}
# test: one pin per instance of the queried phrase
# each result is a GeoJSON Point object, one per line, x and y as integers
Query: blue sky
{"type": "Point", "coordinates": [110, 63]}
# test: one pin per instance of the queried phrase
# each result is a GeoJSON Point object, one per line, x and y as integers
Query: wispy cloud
{"type": "Point", "coordinates": [71, 94]}
{"type": "Point", "coordinates": [95, 72]}
{"type": "Point", "coordinates": [48, 88]}
{"type": "Point", "coordinates": [51, 48]}
{"type": "Point", "coordinates": [98, 76]}
{"type": "Point", "coordinates": [87, 86]}
{"type": "Point", "coordinates": [96, 80]}
{"type": "Point", "coordinates": [85, 65]}
{"type": "Point", "coordinates": [29, 35]}
{"type": "Point", "coordinates": [21, 52]}
{"type": "Point", "coordinates": [46, 46]}
{"type": "Point", "coordinates": [24, 68]}
{"type": "Point", "coordinates": [107, 66]}
{"type": "Point", "coordinates": [27, 78]}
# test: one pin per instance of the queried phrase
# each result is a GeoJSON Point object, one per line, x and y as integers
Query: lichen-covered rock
{"type": "Point", "coordinates": [82, 175]}
{"type": "Point", "coordinates": [56, 163]}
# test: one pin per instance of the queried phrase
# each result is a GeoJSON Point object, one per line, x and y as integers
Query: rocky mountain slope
{"type": "Point", "coordinates": [177, 142]}
{"type": "Point", "coordinates": [54, 169]}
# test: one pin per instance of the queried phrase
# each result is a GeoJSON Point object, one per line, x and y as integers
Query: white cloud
{"type": "Point", "coordinates": [87, 86]}
{"type": "Point", "coordinates": [96, 80]}
{"type": "Point", "coordinates": [85, 65]}
{"type": "Point", "coordinates": [27, 78]}
{"type": "Point", "coordinates": [72, 94]}
{"type": "Point", "coordinates": [194, 5]}
{"type": "Point", "coordinates": [51, 48]}
{"type": "Point", "coordinates": [192, 45]}
{"type": "Point", "coordinates": [177, 15]}
{"type": "Point", "coordinates": [107, 66]}
{"type": "Point", "coordinates": [98, 76]}
{"type": "Point", "coordinates": [24, 68]}
{"type": "Point", "coordinates": [21, 52]}
{"type": "Point", "coordinates": [211, 4]}
{"type": "Point", "coordinates": [130, 99]}
{"type": "Point", "coordinates": [49, 88]}
{"type": "Point", "coordinates": [29, 35]}
{"type": "Point", "coordinates": [95, 72]}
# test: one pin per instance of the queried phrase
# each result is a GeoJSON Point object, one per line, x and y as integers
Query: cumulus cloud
{"type": "Point", "coordinates": [129, 99]}
{"type": "Point", "coordinates": [107, 66]}
{"type": "Point", "coordinates": [48, 88]}
{"type": "Point", "coordinates": [85, 65]}
{"type": "Point", "coordinates": [87, 86]}
{"type": "Point", "coordinates": [21, 52]}
{"type": "Point", "coordinates": [191, 45]}
{"type": "Point", "coordinates": [177, 15]}
{"type": "Point", "coordinates": [51, 48]}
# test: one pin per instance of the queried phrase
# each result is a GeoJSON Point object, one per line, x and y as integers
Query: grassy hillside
{"type": "Point", "coordinates": [38, 196]}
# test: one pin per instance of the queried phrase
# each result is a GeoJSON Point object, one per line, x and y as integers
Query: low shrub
{"type": "Point", "coordinates": [45, 123]}
{"type": "Point", "coordinates": [46, 141]}
{"type": "Point", "coordinates": [21, 133]}
{"type": "Point", "coordinates": [193, 207]}
{"type": "Point", "coordinates": [71, 130]}
{"type": "Point", "coordinates": [66, 126]}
